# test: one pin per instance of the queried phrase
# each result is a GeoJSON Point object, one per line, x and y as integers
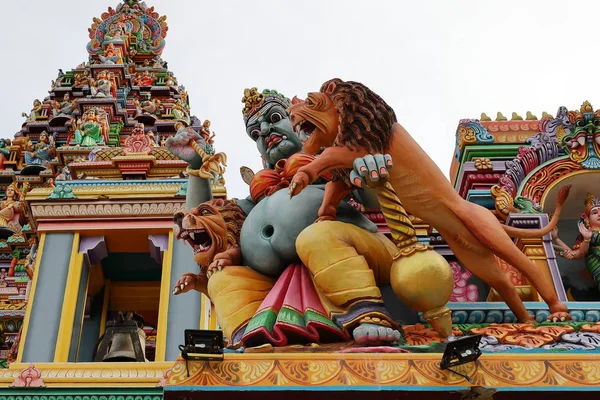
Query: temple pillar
{"type": "Point", "coordinates": [40, 334]}
{"type": "Point", "coordinates": [184, 309]}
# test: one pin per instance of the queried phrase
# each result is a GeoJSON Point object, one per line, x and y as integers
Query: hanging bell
{"type": "Point", "coordinates": [123, 341]}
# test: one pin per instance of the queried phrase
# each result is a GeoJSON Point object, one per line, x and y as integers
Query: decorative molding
{"type": "Point", "coordinates": [499, 313]}
{"type": "Point", "coordinates": [107, 210]}
{"type": "Point", "coordinates": [483, 164]}
{"type": "Point", "coordinates": [535, 185]}
{"type": "Point", "coordinates": [91, 374]}
{"type": "Point", "coordinates": [410, 371]}
{"type": "Point", "coordinates": [129, 188]}
{"type": "Point", "coordinates": [29, 377]}
{"type": "Point", "coordinates": [62, 192]}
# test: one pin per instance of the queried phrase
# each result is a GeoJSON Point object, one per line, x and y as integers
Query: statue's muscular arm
{"type": "Point", "coordinates": [338, 157]}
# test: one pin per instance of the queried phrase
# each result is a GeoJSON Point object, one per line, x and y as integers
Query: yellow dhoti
{"type": "Point", "coordinates": [237, 292]}
{"type": "Point", "coordinates": [348, 264]}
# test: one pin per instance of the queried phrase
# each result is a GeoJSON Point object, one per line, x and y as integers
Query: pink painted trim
{"type": "Point", "coordinates": [79, 226]}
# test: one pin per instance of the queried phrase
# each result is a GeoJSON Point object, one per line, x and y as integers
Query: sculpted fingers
{"type": "Point", "coordinates": [356, 179]}
{"type": "Point", "coordinates": [388, 161]}
{"type": "Point", "coordinates": [360, 167]}
{"type": "Point", "coordinates": [372, 166]}
{"type": "Point", "coordinates": [184, 284]}
{"type": "Point", "coordinates": [381, 167]}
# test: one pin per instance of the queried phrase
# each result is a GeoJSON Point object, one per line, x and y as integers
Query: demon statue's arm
{"type": "Point", "coordinates": [188, 145]}
{"type": "Point", "coordinates": [213, 231]}
{"type": "Point", "coordinates": [350, 121]}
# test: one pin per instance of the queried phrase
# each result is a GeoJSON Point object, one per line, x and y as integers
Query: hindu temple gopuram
{"type": "Point", "coordinates": [353, 265]}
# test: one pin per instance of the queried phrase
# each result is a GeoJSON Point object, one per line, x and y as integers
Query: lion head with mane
{"type": "Point", "coordinates": [343, 114]}
{"type": "Point", "coordinates": [210, 229]}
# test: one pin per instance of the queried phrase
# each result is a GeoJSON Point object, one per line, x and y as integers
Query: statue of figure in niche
{"type": "Point", "coordinates": [171, 81]}
{"type": "Point", "coordinates": [82, 79]}
{"type": "Point", "coordinates": [206, 133]}
{"type": "Point", "coordinates": [145, 79]}
{"type": "Point", "coordinates": [587, 244]}
{"type": "Point", "coordinates": [65, 107]}
{"type": "Point", "coordinates": [112, 55]}
{"type": "Point", "coordinates": [36, 111]}
{"type": "Point", "coordinates": [116, 32]}
{"type": "Point", "coordinates": [40, 153]}
{"type": "Point", "coordinates": [93, 130]}
{"type": "Point", "coordinates": [4, 151]}
{"type": "Point", "coordinates": [180, 112]}
{"type": "Point", "coordinates": [10, 209]}
{"type": "Point", "coordinates": [102, 87]}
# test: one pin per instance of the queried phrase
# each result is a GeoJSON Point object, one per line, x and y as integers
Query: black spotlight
{"type": "Point", "coordinates": [461, 351]}
{"type": "Point", "coordinates": [202, 345]}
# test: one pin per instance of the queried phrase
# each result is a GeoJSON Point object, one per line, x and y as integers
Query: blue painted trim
{"type": "Point", "coordinates": [374, 388]}
{"type": "Point", "coordinates": [536, 305]}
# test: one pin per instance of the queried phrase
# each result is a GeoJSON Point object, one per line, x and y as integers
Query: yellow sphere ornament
{"type": "Point", "coordinates": [422, 279]}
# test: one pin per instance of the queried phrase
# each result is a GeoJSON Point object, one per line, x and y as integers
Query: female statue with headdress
{"type": "Point", "coordinates": [93, 130]}
{"type": "Point", "coordinates": [10, 209]}
{"type": "Point", "coordinates": [42, 152]}
{"type": "Point", "coordinates": [587, 244]}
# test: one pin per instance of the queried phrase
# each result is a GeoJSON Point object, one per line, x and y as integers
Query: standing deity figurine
{"type": "Point", "coordinates": [587, 244]}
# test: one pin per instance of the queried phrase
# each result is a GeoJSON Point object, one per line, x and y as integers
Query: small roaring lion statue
{"type": "Point", "coordinates": [213, 231]}
{"type": "Point", "coordinates": [350, 121]}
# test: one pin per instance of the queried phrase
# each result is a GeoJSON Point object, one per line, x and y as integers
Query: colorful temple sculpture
{"type": "Point", "coordinates": [353, 265]}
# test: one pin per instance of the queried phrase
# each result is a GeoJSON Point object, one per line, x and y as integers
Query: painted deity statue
{"type": "Point", "coordinates": [64, 108]}
{"type": "Point", "coordinates": [111, 55]}
{"type": "Point", "coordinates": [268, 125]}
{"type": "Point", "coordinates": [82, 78]}
{"type": "Point", "coordinates": [42, 152]}
{"type": "Point", "coordinates": [145, 79]}
{"type": "Point", "coordinates": [259, 274]}
{"type": "Point", "coordinates": [587, 244]}
{"type": "Point", "coordinates": [10, 209]}
{"type": "Point", "coordinates": [102, 87]}
{"type": "Point", "coordinates": [206, 133]}
{"type": "Point", "coordinates": [351, 122]}
{"type": "Point", "coordinates": [36, 111]}
{"type": "Point", "coordinates": [92, 130]}
{"type": "Point", "coordinates": [4, 151]}
{"type": "Point", "coordinates": [180, 112]}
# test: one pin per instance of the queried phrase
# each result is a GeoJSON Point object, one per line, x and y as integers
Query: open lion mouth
{"type": "Point", "coordinates": [305, 127]}
{"type": "Point", "coordinates": [199, 239]}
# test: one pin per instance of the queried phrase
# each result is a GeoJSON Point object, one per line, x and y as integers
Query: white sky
{"type": "Point", "coordinates": [434, 62]}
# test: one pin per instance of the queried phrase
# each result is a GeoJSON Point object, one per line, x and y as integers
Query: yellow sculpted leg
{"type": "Point", "coordinates": [347, 262]}
{"type": "Point", "coordinates": [237, 292]}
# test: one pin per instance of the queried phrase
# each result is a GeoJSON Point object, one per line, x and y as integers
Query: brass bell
{"type": "Point", "coordinates": [123, 341]}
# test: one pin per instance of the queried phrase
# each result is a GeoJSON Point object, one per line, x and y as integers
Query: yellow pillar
{"type": "Point", "coordinates": [65, 330]}
{"type": "Point", "coordinates": [163, 307]}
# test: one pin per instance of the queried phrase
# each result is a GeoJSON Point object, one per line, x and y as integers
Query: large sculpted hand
{"type": "Point", "coordinates": [299, 182]}
{"type": "Point", "coordinates": [180, 145]}
{"type": "Point", "coordinates": [217, 265]}
{"type": "Point", "coordinates": [187, 282]}
{"type": "Point", "coordinates": [368, 170]}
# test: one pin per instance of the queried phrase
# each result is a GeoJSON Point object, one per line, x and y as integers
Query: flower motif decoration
{"type": "Point", "coordinates": [483, 163]}
{"type": "Point", "coordinates": [420, 335]}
